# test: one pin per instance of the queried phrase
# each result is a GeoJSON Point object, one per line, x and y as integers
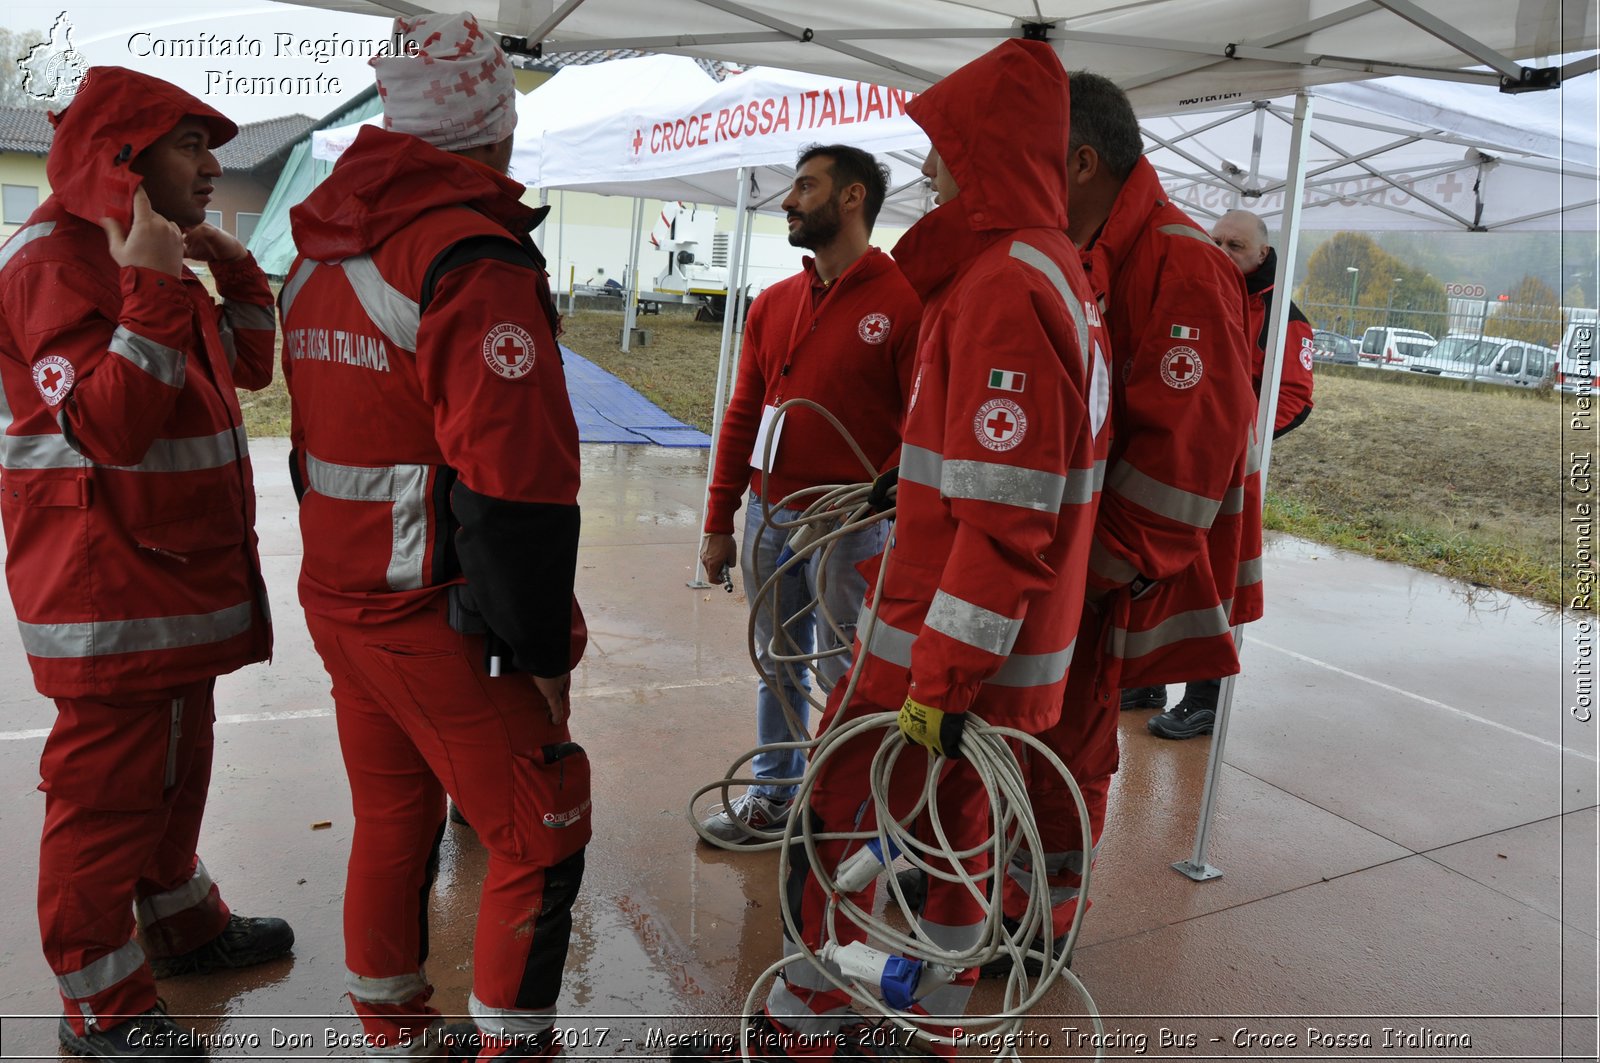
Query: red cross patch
{"type": "Point", "coordinates": [1000, 424]}
{"type": "Point", "coordinates": [509, 350]}
{"type": "Point", "coordinates": [1305, 356]}
{"type": "Point", "coordinates": [874, 328]}
{"type": "Point", "coordinates": [1181, 368]}
{"type": "Point", "coordinates": [53, 376]}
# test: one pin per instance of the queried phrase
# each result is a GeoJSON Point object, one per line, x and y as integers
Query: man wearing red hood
{"type": "Point", "coordinates": [436, 459]}
{"type": "Point", "coordinates": [129, 514]}
{"type": "Point", "coordinates": [981, 593]}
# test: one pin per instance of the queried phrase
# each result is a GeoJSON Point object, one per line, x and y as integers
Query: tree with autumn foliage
{"type": "Point", "coordinates": [1531, 312]}
{"type": "Point", "coordinates": [1386, 291]}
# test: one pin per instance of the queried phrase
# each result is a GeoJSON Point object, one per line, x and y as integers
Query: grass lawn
{"type": "Point", "coordinates": [1462, 483]}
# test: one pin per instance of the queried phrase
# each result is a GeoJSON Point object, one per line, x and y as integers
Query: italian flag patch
{"type": "Point", "coordinates": [1003, 380]}
{"type": "Point", "coordinates": [1184, 332]}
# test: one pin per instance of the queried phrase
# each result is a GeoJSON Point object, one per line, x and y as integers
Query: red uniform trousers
{"type": "Point", "coordinates": [125, 789]}
{"type": "Point", "coordinates": [1085, 738]}
{"type": "Point", "coordinates": [419, 717]}
{"type": "Point", "coordinates": [803, 1002]}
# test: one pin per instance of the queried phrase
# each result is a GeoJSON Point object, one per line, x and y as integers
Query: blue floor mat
{"type": "Point", "coordinates": [609, 411]}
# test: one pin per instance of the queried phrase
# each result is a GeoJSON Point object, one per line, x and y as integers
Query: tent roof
{"type": "Point", "coordinates": [1169, 55]}
{"type": "Point", "coordinates": [1395, 154]}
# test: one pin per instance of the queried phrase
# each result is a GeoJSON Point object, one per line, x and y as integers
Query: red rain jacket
{"type": "Point", "coordinates": [1295, 384]}
{"type": "Point", "coordinates": [1177, 526]}
{"type": "Point", "coordinates": [433, 437]}
{"type": "Point", "coordinates": [127, 496]}
{"type": "Point", "coordinates": [980, 595]}
{"type": "Point", "coordinates": [850, 354]}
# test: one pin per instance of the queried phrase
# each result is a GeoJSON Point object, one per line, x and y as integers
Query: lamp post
{"type": "Point", "coordinates": [1355, 277]}
{"type": "Point", "coordinates": [1388, 309]}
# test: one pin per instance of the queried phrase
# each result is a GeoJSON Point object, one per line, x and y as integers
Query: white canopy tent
{"type": "Point", "coordinates": [1394, 154]}
{"type": "Point", "coordinates": [1170, 56]}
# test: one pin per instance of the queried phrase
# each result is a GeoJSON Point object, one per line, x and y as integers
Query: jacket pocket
{"type": "Point", "coordinates": [213, 528]}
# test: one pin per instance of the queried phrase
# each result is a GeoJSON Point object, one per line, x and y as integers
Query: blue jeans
{"type": "Point", "coordinates": [843, 592]}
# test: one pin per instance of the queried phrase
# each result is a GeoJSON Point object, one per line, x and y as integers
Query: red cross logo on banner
{"type": "Point", "coordinates": [1000, 424]}
{"type": "Point", "coordinates": [1181, 368]}
{"type": "Point", "coordinates": [638, 139]}
{"type": "Point", "coordinates": [509, 350]}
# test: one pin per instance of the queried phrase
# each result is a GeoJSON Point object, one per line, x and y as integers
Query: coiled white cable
{"type": "Point", "coordinates": [991, 752]}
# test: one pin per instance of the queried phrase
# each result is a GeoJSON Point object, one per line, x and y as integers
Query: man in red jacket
{"type": "Point", "coordinates": [1177, 528]}
{"type": "Point", "coordinates": [979, 600]}
{"type": "Point", "coordinates": [130, 525]}
{"type": "Point", "coordinates": [1243, 237]}
{"type": "Point", "coordinates": [437, 461]}
{"type": "Point", "coordinates": [841, 333]}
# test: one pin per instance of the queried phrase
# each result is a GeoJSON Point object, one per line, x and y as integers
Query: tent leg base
{"type": "Point", "coordinates": [1198, 872]}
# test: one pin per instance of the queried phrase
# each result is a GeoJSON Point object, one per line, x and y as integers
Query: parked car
{"type": "Point", "coordinates": [1575, 367]}
{"type": "Point", "coordinates": [1331, 347]}
{"type": "Point", "coordinates": [1491, 359]}
{"type": "Point", "coordinates": [1390, 348]}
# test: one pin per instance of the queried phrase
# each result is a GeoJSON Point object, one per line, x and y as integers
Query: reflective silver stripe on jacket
{"type": "Point", "coordinates": [248, 315]}
{"type": "Point", "coordinates": [190, 454]}
{"type": "Point", "coordinates": [509, 1022]}
{"type": "Point", "coordinates": [103, 973]}
{"type": "Point", "coordinates": [1187, 230]}
{"type": "Point", "coordinates": [229, 347]}
{"type": "Point", "coordinates": [166, 364]}
{"type": "Point", "coordinates": [1070, 862]}
{"type": "Point", "coordinates": [1197, 511]}
{"type": "Point", "coordinates": [1007, 485]}
{"type": "Point", "coordinates": [96, 638]}
{"type": "Point", "coordinates": [405, 487]}
{"type": "Point", "coordinates": [1109, 566]}
{"type": "Point", "coordinates": [893, 644]}
{"type": "Point", "coordinates": [1046, 265]}
{"type": "Point", "coordinates": [396, 316]}
{"type": "Point", "coordinates": [1195, 624]}
{"type": "Point", "coordinates": [1252, 461]}
{"type": "Point", "coordinates": [22, 238]}
{"type": "Point", "coordinates": [159, 906]}
{"type": "Point", "coordinates": [974, 625]}
{"type": "Point", "coordinates": [393, 990]}
{"type": "Point", "coordinates": [292, 286]}
{"type": "Point", "coordinates": [1250, 572]}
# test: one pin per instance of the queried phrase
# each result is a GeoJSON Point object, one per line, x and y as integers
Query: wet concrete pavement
{"type": "Point", "coordinates": [1406, 823]}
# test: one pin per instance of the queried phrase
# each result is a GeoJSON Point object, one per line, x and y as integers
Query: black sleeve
{"type": "Point", "coordinates": [520, 560]}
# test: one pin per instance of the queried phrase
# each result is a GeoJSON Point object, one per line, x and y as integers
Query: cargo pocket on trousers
{"type": "Point", "coordinates": [552, 803]}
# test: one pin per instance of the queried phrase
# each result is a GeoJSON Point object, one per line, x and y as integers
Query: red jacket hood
{"type": "Point", "coordinates": [1000, 123]}
{"type": "Point", "coordinates": [116, 114]}
{"type": "Point", "coordinates": [384, 181]}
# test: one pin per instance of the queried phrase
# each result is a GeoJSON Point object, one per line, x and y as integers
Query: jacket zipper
{"type": "Point", "coordinates": [174, 732]}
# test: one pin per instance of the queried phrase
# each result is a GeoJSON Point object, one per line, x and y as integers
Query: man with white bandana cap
{"type": "Point", "coordinates": [436, 460]}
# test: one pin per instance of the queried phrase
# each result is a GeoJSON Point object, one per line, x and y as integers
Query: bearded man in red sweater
{"type": "Point", "coordinates": [843, 334]}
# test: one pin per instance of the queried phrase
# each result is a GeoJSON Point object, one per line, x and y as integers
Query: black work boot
{"type": "Point", "coordinates": [150, 1036]}
{"type": "Point", "coordinates": [1195, 715]}
{"type": "Point", "coordinates": [244, 942]}
{"type": "Point", "coordinates": [1144, 698]}
{"type": "Point", "coordinates": [913, 882]}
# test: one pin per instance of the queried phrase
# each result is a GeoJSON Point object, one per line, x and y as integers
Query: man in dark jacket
{"type": "Point", "coordinates": [437, 460]}
{"type": "Point", "coordinates": [129, 516]}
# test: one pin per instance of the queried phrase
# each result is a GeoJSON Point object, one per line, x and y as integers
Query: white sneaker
{"type": "Point", "coordinates": [746, 813]}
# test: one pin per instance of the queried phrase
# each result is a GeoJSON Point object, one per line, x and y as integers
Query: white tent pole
{"type": "Point", "coordinates": [630, 313]}
{"type": "Point", "coordinates": [735, 264]}
{"type": "Point", "coordinates": [1266, 416]}
{"type": "Point", "coordinates": [744, 287]}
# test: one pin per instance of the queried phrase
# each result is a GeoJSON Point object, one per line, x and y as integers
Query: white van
{"type": "Point", "coordinates": [1390, 348]}
{"type": "Point", "coordinates": [1575, 369]}
{"type": "Point", "coordinates": [1490, 359]}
